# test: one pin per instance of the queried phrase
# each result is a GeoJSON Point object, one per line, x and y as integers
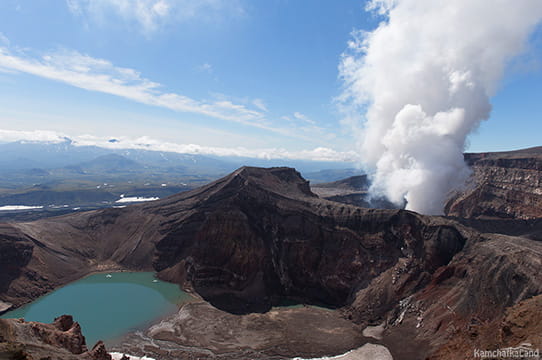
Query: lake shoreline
{"type": "Point", "coordinates": [205, 332]}
{"type": "Point", "coordinates": [108, 307]}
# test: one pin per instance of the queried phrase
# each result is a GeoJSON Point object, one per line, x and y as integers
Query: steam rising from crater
{"type": "Point", "coordinates": [416, 86]}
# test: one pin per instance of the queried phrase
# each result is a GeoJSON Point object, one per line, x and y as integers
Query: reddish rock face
{"type": "Point", "coordinates": [33, 340]}
{"type": "Point", "coordinates": [518, 326]}
{"type": "Point", "coordinates": [63, 332]}
{"type": "Point", "coordinates": [99, 352]}
{"type": "Point", "coordinates": [503, 185]}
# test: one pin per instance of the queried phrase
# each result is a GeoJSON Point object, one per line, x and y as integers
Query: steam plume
{"type": "Point", "coordinates": [422, 81]}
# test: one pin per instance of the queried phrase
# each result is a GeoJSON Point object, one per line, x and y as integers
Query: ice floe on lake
{"type": "Point", "coordinates": [136, 199]}
{"type": "Point", "coordinates": [19, 207]}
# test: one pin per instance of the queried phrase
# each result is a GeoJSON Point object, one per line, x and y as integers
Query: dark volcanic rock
{"type": "Point", "coordinates": [259, 237]}
{"type": "Point", "coordinates": [353, 183]}
{"type": "Point", "coordinates": [352, 191]}
{"type": "Point", "coordinates": [33, 340]}
{"type": "Point", "coordinates": [249, 243]}
{"type": "Point", "coordinates": [489, 275]}
{"type": "Point", "coordinates": [503, 185]}
{"type": "Point", "coordinates": [15, 253]}
{"type": "Point", "coordinates": [99, 352]}
{"type": "Point", "coordinates": [244, 242]}
{"type": "Point", "coordinates": [64, 332]}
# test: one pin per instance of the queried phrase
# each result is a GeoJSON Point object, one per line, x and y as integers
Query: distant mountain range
{"type": "Point", "coordinates": [61, 177]}
{"type": "Point", "coordinates": [24, 155]}
{"type": "Point", "coordinates": [24, 163]}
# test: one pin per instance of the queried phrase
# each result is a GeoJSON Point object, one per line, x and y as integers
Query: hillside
{"type": "Point", "coordinates": [259, 237]}
{"type": "Point", "coordinates": [353, 190]}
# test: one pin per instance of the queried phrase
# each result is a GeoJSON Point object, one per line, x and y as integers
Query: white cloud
{"type": "Point", "coordinates": [36, 135]}
{"type": "Point", "coordinates": [3, 39]}
{"type": "Point", "coordinates": [304, 118]}
{"type": "Point", "coordinates": [100, 75]}
{"type": "Point", "coordinates": [260, 104]}
{"type": "Point", "coordinates": [85, 72]}
{"type": "Point", "coordinates": [93, 74]}
{"type": "Point", "coordinates": [206, 67]}
{"type": "Point", "coordinates": [148, 143]}
{"type": "Point", "coordinates": [161, 8]}
{"type": "Point", "coordinates": [380, 6]}
{"type": "Point", "coordinates": [150, 15]}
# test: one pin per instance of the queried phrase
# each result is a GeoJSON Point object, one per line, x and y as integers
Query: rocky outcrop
{"type": "Point", "coordinates": [4, 306]}
{"type": "Point", "coordinates": [502, 185]}
{"type": "Point", "coordinates": [63, 332]}
{"type": "Point", "coordinates": [352, 191]}
{"type": "Point", "coordinates": [259, 237]}
{"type": "Point", "coordinates": [99, 352]}
{"type": "Point", "coordinates": [60, 340]}
{"type": "Point", "coordinates": [248, 245]}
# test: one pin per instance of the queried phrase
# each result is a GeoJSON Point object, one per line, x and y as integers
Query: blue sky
{"type": "Point", "coordinates": [258, 76]}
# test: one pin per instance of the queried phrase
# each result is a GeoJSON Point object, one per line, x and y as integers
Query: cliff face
{"type": "Point", "coordinates": [244, 242]}
{"type": "Point", "coordinates": [15, 253]}
{"type": "Point", "coordinates": [252, 250]}
{"type": "Point", "coordinates": [502, 185]}
{"type": "Point", "coordinates": [260, 236]}
{"type": "Point", "coordinates": [488, 276]}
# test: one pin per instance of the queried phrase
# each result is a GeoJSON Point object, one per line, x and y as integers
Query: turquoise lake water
{"type": "Point", "coordinates": [107, 307]}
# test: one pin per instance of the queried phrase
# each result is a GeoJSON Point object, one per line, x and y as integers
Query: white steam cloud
{"type": "Point", "coordinates": [422, 80]}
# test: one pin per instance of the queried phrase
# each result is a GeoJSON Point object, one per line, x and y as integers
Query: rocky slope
{"type": "Point", "coordinates": [490, 274]}
{"type": "Point", "coordinates": [353, 191]}
{"type": "Point", "coordinates": [502, 185]}
{"type": "Point", "coordinates": [61, 340]}
{"type": "Point", "coordinates": [259, 237]}
{"type": "Point", "coordinates": [204, 332]}
{"type": "Point", "coordinates": [244, 242]}
{"type": "Point", "coordinates": [520, 326]}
